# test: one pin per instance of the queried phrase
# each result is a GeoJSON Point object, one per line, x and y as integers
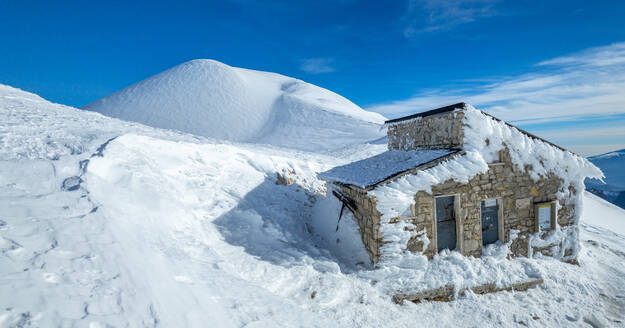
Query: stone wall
{"type": "Point", "coordinates": [368, 219]}
{"type": "Point", "coordinates": [436, 131]}
{"type": "Point", "coordinates": [516, 194]}
{"type": "Point", "coordinates": [422, 220]}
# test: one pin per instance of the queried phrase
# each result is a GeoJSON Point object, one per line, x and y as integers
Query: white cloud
{"type": "Point", "coordinates": [591, 150]}
{"type": "Point", "coordinates": [588, 83]}
{"type": "Point", "coordinates": [317, 65]}
{"type": "Point", "coordinates": [587, 141]}
{"type": "Point", "coordinates": [601, 56]}
{"type": "Point", "coordinates": [425, 16]}
{"type": "Point", "coordinates": [583, 133]}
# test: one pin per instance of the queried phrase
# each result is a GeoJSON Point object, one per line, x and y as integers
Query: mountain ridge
{"type": "Point", "coordinates": [612, 164]}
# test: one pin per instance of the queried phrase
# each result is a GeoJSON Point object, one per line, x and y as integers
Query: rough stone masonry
{"type": "Point", "coordinates": [517, 195]}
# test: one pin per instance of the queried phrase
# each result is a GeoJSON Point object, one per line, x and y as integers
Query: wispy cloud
{"type": "Point", "coordinates": [317, 65]}
{"type": "Point", "coordinates": [585, 86]}
{"type": "Point", "coordinates": [587, 140]}
{"type": "Point", "coordinates": [587, 83]}
{"type": "Point", "coordinates": [424, 16]}
{"type": "Point", "coordinates": [597, 57]}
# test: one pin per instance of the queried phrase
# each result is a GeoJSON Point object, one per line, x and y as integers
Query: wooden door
{"type": "Point", "coordinates": [446, 223]}
{"type": "Point", "coordinates": [490, 221]}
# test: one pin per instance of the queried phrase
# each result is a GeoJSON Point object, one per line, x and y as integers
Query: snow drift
{"type": "Point", "coordinates": [109, 223]}
{"type": "Point", "coordinates": [209, 98]}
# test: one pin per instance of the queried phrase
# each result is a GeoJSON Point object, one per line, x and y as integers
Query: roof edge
{"type": "Point", "coordinates": [426, 165]}
{"type": "Point", "coordinates": [449, 108]}
{"type": "Point", "coordinates": [464, 105]}
{"type": "Point", "coordinates": [532, 136]}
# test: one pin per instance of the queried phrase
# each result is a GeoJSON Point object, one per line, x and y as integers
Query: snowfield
{"type": "Point", "coordinates": [109, 223]}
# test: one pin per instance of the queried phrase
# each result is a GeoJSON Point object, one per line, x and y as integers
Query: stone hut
{"type": "Point", "coordinates": [459, 179]}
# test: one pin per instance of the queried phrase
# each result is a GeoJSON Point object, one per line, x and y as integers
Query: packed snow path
{"type": "Point", "coordinates": [109, 223]}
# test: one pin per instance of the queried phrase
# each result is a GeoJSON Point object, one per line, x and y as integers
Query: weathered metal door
{"type": "Point", "coordinates": [446, 223]}
{"type": "Point", "coordinates": [490, 222]}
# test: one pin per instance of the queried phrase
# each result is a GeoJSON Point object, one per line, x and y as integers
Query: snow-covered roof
{"type": "Point", "coordinates": [464, 106]}
{"type": "Point", "coordinates": [372, 170]}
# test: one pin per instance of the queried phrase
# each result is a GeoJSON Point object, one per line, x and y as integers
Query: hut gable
{"type": "Point", "coordinates": [435, 129]}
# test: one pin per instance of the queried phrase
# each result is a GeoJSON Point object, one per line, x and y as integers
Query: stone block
{"type": "Point", "coordinates": [534, 192]}
{"type": "Point", "coordinates": [523, 203]}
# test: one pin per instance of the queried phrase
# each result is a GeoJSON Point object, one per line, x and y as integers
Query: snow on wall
{"type": "Point", "coordinates": [484, 137]}
{"type": "Point", "coordinates": [394, 199]}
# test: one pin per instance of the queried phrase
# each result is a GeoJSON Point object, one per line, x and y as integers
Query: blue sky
{"type": "Point", "coordinates": [556, 68]}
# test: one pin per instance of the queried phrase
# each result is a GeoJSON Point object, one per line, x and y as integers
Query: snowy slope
{"type": "Point", "coordinates": [603, 214]}
{"type": "Point", "coordinates": [209, 98]}
{"type": "Point", "coordinates": [613, 166]}
{"type": "Point", "coordinates": [109, 223]}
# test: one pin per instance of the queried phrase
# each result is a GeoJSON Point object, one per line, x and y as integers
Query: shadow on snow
{"type": "Point", "coordinates": [288, 225]}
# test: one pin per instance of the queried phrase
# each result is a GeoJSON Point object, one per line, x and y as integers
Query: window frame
{"type": "Point", "coordinates": [554, 214]}
{"type": "Point", "coordinates": [499, 160]}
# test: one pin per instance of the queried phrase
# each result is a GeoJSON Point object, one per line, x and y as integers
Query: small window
{"type": "Point", "coordinates": [499, 159]}
{"type": "Point", "coordinates": [545, 216]}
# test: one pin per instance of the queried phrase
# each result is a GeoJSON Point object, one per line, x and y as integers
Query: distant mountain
{"type": "Point", "coordinates": [613, 166]}
{"type": "Point", "coordinates": [208, 98]}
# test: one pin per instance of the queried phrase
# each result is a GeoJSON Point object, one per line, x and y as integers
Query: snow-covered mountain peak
{"type": "Point", "coordinates": [208, 98]}
{"type": "Point", "coordinates": [612, 154]}
{"type": "Point", "coordinates": [613, 190]}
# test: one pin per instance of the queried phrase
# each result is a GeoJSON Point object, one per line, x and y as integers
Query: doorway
{"type": "Point", "coordinates": [490, 221]}
{"type": "Point", "coordinates": [446, 223]}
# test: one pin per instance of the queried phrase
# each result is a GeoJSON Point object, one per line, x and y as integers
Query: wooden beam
{"type": "Point", "coordinates": [347, 202]}
{"type": "Point", "coordinates": [448, 293]}
{"type": "Point", "coordinates": [340, 216]}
